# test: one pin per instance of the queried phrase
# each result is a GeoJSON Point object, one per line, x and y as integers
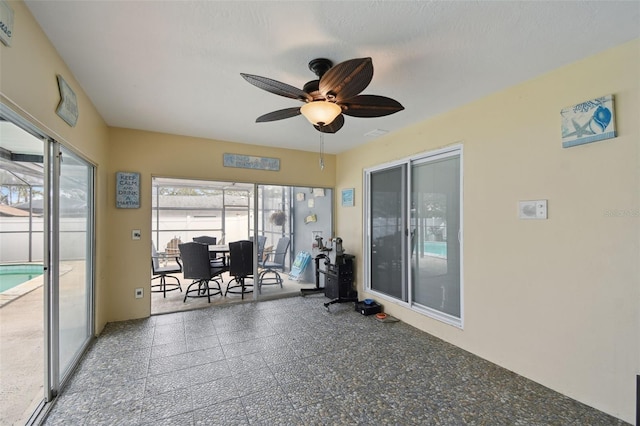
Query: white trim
{"type": "Point", "coordinates": [461, 237]}
{"type": "Point", "coordinates": [389, 298]}
{"type": "Point", "coordinates": [438, 315]}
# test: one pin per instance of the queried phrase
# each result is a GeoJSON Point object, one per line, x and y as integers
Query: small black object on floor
{"type": "Point", "coordinates": [368, 307]}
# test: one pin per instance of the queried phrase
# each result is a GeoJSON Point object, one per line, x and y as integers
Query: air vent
{"type": "Point", "coordinates": [375, 133]}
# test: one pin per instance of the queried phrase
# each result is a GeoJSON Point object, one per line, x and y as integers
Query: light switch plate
{"type": "Point", "coordinates": [541, 209]}
{"type": "Point", "coordinates": [135, 234]}
{"type": "Point", "coordinates": [139, 293]}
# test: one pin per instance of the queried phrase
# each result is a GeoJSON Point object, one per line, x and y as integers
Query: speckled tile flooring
{"type": "Point", "coordinates": [291, 362]}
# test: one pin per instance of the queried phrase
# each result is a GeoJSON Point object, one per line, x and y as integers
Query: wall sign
{"type": "Point", "coordinates": [127, 190]}
{"type": "Point", "coordinates": [6, 23]}
{"type": "Point", "coordinates": [588, 121]}
{"type": "Point", "coordinates": [347, 197]}
{"type": "Point", "coordinates": [68, 106]}
{"type": "Point", "coordinates": [251, 162]}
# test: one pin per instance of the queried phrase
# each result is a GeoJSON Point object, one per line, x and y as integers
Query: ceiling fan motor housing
{"type": "Point", "coordinates": [320, 66]}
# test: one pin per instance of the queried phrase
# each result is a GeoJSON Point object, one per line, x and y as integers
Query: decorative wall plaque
{"type": "Point", "coordinates": [589, 121]}
{"type": "Point", "coordinates": [68, 106]}
{"type": "Point", "coordinates": [6, 23]}
{"type": "Point", "coordinates": [347, 197]}
{"type": "Point", "coordinates": [127, 190]}
{"type": "Point", "coordinates": [251, 162]}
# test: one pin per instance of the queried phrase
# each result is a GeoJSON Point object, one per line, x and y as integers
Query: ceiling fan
{"type": "Point", "coordinates": [333, 95]}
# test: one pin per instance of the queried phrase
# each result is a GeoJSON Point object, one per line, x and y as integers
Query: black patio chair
{"type": "Point", "coordinates": [163, 272]}
{"type": "Point", "coordinates": [240, 267]}
{"type": "Point", "coordinates": [274, 263]}
{"type": "Point", "coordinates": [262, 241]}
{"type": "Point", "coordinates": [197, 267]}
{"type": "Point", "coordinates": [212, 241]}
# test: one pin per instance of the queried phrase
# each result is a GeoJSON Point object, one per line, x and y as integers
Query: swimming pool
{"type": "Point", "coordinates": [14, 275]}
{"type": "Point", "coordinates": [436, 248]}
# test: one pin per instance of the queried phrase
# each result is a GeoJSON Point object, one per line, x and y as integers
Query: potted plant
{"type": "Point", "coordinates": [278, 218]}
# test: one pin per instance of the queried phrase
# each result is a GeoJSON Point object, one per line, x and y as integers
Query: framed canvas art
{"type": "Point", "coordinates": [589, 121]}
{"type": "Point", "coordinates": [347, 197]}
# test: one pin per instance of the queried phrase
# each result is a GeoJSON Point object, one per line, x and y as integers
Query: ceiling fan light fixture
{"type": "Point", "coordinates": [320, 113]}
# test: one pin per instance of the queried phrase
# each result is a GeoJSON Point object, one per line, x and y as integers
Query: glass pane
{"type": "Point", "coordinates": [435, 221]}
{"type": "Point", "coordinates": [296, 215]}
{"type": "Point", "coordinates": [275, 213]}
{"type": "Point", "coordinates": [75, 257]}
{"type": "Point", "coordinates": [311, 218]}
{"type": "Point", "coordinates": [386, 230]}
{"type": "Point", "coordinates": [236, 214]}
{"type": "Point", "coordinates": [183, 209]}
{"type": "Point", "coordinates": [22, 368]}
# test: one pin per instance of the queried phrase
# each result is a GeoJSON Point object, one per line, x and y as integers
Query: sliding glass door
{"type": "Point", "coordinates": [75, 248]}
{"type": "Point", "coordinates": [46, 265]}
{"type": "Point", "coordinates": [413, 235]}
{"type": "Point", "coordinates": [283, 221]}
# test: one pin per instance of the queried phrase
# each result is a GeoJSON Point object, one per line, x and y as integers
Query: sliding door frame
{"type": "Point", "coordinates": [60, 377]}
{"type": "Point", "coordinates": [53, 380]}
{"type": "Point", "coordinates": [407, 276]}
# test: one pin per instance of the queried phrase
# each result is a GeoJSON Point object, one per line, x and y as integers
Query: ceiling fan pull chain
{"type": "Point", "coordinates": [321, 151]}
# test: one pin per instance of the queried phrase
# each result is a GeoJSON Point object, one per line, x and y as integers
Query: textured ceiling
{"type": "Point", "coordinates": [174, 66]}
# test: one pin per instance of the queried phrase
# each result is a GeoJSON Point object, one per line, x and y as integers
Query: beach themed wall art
{"type": "Point", "coordinates": [251, 162]}
{"type": "Point", "coordinates": [347, 197]}
{"type": "Point", "coordinates": [588, 121]}
{"type": "Point", "coordinates": [68, 106]}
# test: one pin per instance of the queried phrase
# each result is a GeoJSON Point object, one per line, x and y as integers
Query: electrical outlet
{"type": "Point", "coordinates": [136, 234]}
{"type": "Point", "coordinates": [139, 293]}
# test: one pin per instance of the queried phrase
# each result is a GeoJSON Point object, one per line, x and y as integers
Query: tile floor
{"type": "Point", "coordinates": [291, 362]}
{"type": "Point", "coordinates": [174, 300]}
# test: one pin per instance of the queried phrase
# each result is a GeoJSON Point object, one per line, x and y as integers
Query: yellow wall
{"type": "Point", "coordinates": [155, 154]}
{"type": "Point", "coordinates": [555, 300]}
{"type": "Point", "coordinates": [28, 85]}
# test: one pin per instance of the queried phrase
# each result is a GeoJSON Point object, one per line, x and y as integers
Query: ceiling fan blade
{"type": "Point", "coordinates": [370, 106]}
{"type": "Point", "coordinates": [279, 115]}
{"type": "Point", "coordinates": [332, 127]}
{"type": "Point", "coordinates": [277, 87]}
{"type": "Point", "coordinates": [346, 79]}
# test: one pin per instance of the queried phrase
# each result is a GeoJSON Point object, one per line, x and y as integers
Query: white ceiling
{"type": "Point", "coordinates": [174, 66]}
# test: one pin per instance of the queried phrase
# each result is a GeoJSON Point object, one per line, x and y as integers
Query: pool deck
{"type": "Point", "coordinates": [22, 349]}
{"type": "Point", "coordinates": [21, 354]}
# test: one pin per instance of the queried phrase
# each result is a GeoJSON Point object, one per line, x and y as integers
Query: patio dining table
{"type": "Point", "coordinates": [220, 249]}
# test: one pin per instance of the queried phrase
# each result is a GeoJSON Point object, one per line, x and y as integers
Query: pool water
{"type": "Point", "coordinates": [14, 275]}
{"type": "Point", "coordinates": [436, 248]}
